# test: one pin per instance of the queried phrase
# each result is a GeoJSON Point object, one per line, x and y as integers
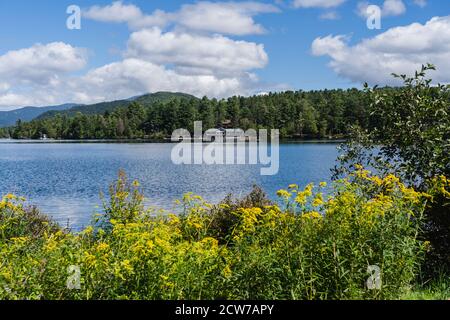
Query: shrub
{"type": "Point", "coordinates": [223, 216]}
{"type": "Point", "coordinates": [409, 135]}
{"type": "Point", "coordinates": [18, 221]}
{"type": "Point", "coordinates": [437, 229]}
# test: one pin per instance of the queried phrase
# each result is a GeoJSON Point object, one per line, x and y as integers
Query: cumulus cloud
{"type": "Point", "coordinates": [127, 78]}
{"type": "Point", "coordinates": [330, 15]}
{"type": "Point", "coordinates": [118, 12]}
{"type": "Point", "coordinates": [4, 86]}
{"type": "Point", "coordinates": [41, 63]}
{"type": "Point", "coordinates": [131, 76]}
{"type": "Point", "coordinates": [390, 8]}
{"type": "Point", "coordinates": [11, 100]}
{"type": "Point", "coordinates": [398, 50]}
{"type": "Point", "coordinates": [155, 60]}
{"type": "Point", "coordinates": [317, 3]}
{"type": "Point", "coordinates": [233, 18]}
{"type": "Point", "coordinates": [393, 8]}
{"type": "Point", "coordinates": [421, 3]}
{"type": "Point", "coordinates": [196, 54]}
{"type": "Point", "coordinates": [30, 74]}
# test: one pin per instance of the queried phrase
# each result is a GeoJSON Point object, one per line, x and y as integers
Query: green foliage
{"type": "Point", "coordinates": [438, 289]}
{"type": "Point", "coordinates": [17, 221]}
{"type": "Point", "coordinates": [437, 228]}
{"type": "Point", "coordinates": [409, 135]}
{"type": "Point", "coordinates": [411, 127]}
{"type": "Point", "coordinates": [124, 203]}
{"type": "Point", "coordinates": [315, 248]}
{"type": "Point", "coordinates": [223, 217]}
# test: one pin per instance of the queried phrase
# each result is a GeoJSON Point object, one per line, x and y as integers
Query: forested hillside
{"type": "Point", "coordinates": [100, 108]}
{"type": "Point", "coordinates": [314, 114]}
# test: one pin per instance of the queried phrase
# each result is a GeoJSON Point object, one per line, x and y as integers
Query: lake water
{"type": "Point", "coordinates": [64, 179]}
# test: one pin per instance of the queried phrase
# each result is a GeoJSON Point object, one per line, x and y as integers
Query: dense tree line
{"type": "Point", "coordinates": [300, 114]}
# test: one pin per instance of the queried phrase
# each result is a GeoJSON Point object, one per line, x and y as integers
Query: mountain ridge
{"type": "Point", "coordinates": [9, 118]}
{"type": "Point", "coordinates": [109, 106]}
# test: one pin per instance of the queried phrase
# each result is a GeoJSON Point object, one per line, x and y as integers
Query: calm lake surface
{"type": "Point", "coordinates": [64, 179]}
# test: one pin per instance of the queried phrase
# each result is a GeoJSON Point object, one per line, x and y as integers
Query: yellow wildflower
{"type": "Point", "coordinates": [312, 215]}
{"type": "Point", "coordinates": [301, 198]}
{"type": "Point", "coordinates": [126, 265]}
{"type": "Point", "coordinates": [227, 271]}
{"type": "Point", "coordinates": [308, 190]}
{"type": "Point", "coordinates": [318, 201]}
{"type": "Point", "coordinates": [88, 230]}
{"type": "Point", "coordinates": [90, 259]}
{"type": "Point", "coordinates": [102, 246]}
{"type": "Point", "coordinates": [174, 219]}
{"type": "Point", "coordinates": [136, 184]}
{"type": "Point", "coordinates": [284, 194]}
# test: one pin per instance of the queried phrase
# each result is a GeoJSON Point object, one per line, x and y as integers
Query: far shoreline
{"type": "Point", "coordinates": [148, 141]}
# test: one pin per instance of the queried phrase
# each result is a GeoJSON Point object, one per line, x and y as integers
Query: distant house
{"type": "Point", "coordinates": [230, 134]}
{"type": "Point", "coordinates": [212, 134]}
{"type": "Point", "coordinates": [226, 124]}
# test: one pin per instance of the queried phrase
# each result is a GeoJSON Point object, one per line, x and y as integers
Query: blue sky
{"type": "Point", "coordinates": [257, 46]}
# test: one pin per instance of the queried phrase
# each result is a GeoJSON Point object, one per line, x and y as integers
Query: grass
{"type": "Point", "coordinates": [437, 289]}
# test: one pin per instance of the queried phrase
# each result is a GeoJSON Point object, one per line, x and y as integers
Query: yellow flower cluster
{"type": "Point", "coordinates": [300, 251]}
{"type": "Point", "coordinates": [440, 186]}
{"type": "Point", "coordinates": [11, 202]}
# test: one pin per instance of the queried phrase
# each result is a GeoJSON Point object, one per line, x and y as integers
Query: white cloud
{"type": "Point", "coordinates": [421, 3]}
{"type": "Point", "coordinates": [234, 18]}
{"type": "Point", "coordinates": [118, 12]}
{"type": "Point", "coordinates": [330, 15]}
{"type": "Point", "coordinates": [215, 66]}
{"type": "Point", "coordinates": [4, 86]}
{"type": "Point", "coordinates": [361, 9]}
{"type": "Point", "coordinates": [317, 3]}
{"type": "Point", "coordinates": [195, 54]}
{"type": "Point", "coordinates": [393, 8]}
{"type": "Point", "coordinates": [12, 100]}
{"type": "Point", "coordinates": [133, 76]}
{"type": "Point", "coordinates": [41, 63]}
{"type": "Point", "coordinates": [398, 50]}
{"type": "Point", "coordinates": [390, 8]}
{"type": "Point", "coordinates": [30, 75]}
